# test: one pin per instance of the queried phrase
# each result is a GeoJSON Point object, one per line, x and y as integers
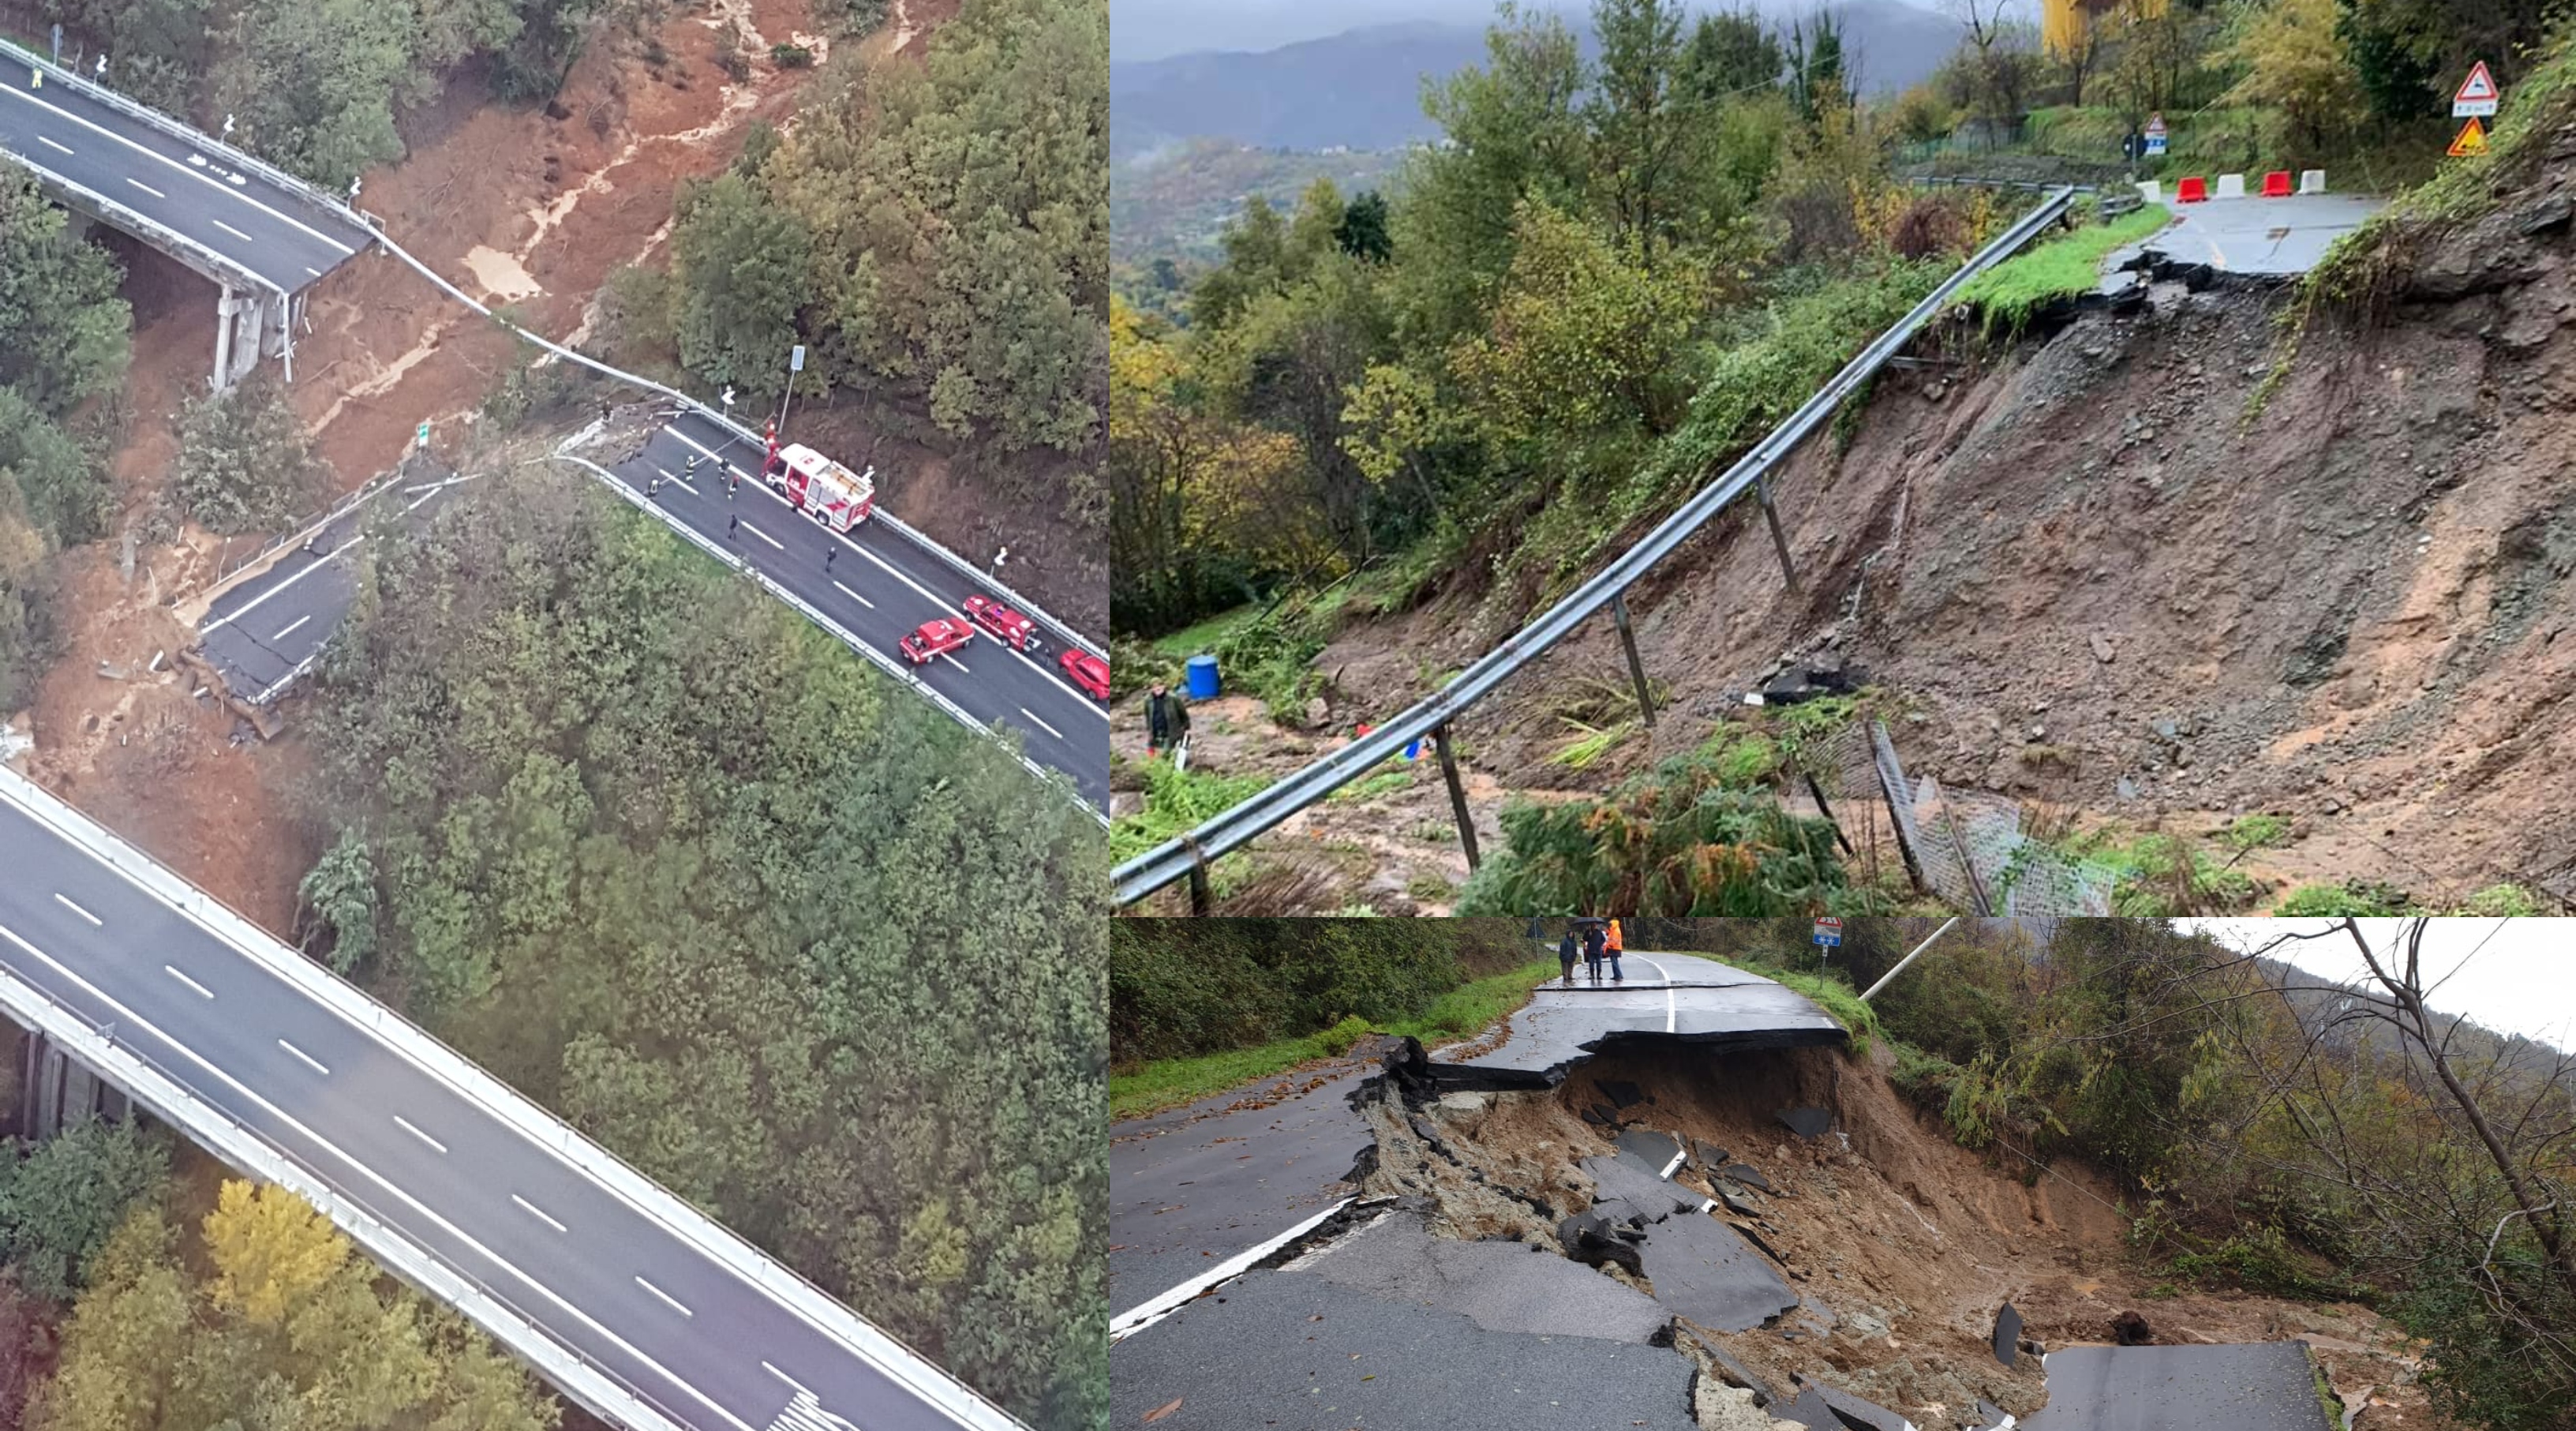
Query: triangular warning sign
{"type": "Point", "coordinates": [2472, 140]}
{"type": "Point", "coordinates": [2480, 85]}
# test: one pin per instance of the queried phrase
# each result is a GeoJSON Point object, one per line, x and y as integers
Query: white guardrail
{"type": "Point", "coordinates": [1229, 830]}
{"type": "Point", "coordinates": [246, 1149]}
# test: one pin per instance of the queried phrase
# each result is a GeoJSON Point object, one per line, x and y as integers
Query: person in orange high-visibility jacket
{"type": "Point", "coordinates": [1610, 950]}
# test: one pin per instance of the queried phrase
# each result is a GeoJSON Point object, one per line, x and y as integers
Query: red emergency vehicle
{"type": "Point", "coordinates": [820, 487]}
{"type": "Point", "coordinates": [1087, 671]}
{"type": "Point", "coordinates": [936, 636]}
{"type": "Point", "coordinates": [1014, 629]}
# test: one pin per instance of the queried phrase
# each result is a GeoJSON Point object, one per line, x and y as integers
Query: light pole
{"type": "Point", "coordinates": [795, 365]}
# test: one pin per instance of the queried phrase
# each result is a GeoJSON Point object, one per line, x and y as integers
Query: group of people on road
{"type": "Point", "coordinates": [1595, 940]}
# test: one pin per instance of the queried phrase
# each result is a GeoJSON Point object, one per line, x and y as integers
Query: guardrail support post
{"type": "Point", "coordinates": [1636, 667]}
{"type": "Point", "coordinates": [1457, 793]}
{"type": "Point", "coordinates": [1201, 897]}
{"type": "Point", "coordinates": [1779, 540]}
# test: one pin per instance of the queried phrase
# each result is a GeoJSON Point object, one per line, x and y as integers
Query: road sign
{"type": "Point", "coordinates": [2477, 95]}
{"type": "Point", "coordinates": [1829, 930]}
{"type": "Point", "coordinates": [424, 435]}
{"type": "Point", "coordinates": [796, 360]}
{"type": "Point", "coordinates": [2156, 125]}
{"type": "Point", "coordinates": [2155, 142]}
{"type": "Point", "coordinates": [2472, 140]}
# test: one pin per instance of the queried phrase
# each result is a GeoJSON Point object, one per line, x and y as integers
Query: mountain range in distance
{"type": "Point", "coordinates": [1362, 88]}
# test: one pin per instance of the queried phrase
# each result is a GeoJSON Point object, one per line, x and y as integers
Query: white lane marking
{"type": "Point", "coordinates": [670, 476]}
{"type": "Point", "coordinates": [804, 1412]}
{"type": "Point", "coordinates": [236, 233]}
{"type": "Point", "coordinates": [1145, 1314]}
{"type": "Point", "coordinates": [854, 596]}
{"type": "Point", "coordinates": [1670, 1012]}
{"type": "Point", "coordinates": [308, 268]}
{"type": "Point", "coordinates": [50, 144]}
{"type": "Point", "coordinates": [1042, 725]}
{"type": "Point", "coordinates": [782, 1376]}
{"type": "Point", "coordinates": [414, 1130]}
{"type": "Point", "coordinates": [665, 1296]}
{"type": "Point", "coordinates": [173, 971]}
{"type": "Point", "coordinates": [175, 164]}
{"type": "Point", "coordinates": [764, 536]}
{"type": "Point", "coordinates": [128, 1016]}
{"type": "Point", "coordinates": [252, 604]}
{"type": "Point", "coordinates": [76, 909]}
{"type": "Point", "coordinates": [1081, 701]}
{"type": "Point", "coordinates": [951, 660]}
{"type": "Point", "coordinates": [1667, 1174]}
{"type": "Point", "coordinates": [538, 1213]}
{"type": "Point", "coordinates": [291, 627]}
{"type": "Point", "coordinates": [147, 188]}
{"type": "Point", "coordinates": [308, 1058]}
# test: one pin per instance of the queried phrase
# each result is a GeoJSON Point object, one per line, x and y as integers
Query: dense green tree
{"type": "Point", "coordinates": [64, 332]}
{"type": "Point", "coordinates": [740, 274]}
{"type": "Point", "coordinates": [156, 49]}
{"type": "Point", "coordinates": [2397, 75]}
{"type": "Point", "coordinates": [1638, 115]}
{"type": "Point", "coordinates": [340, 890]}
{"type": "Point", "coordinates": [65, 1195]}
{"type": "Point", "coordinates": [66, 492]}
{"type": "Point", "coordinates": [1815, 57]}
{"type": "Point", "coordinates": [246, 464]}
{"type": "Point", "coordinates": [314, 83]}
{"type": "Point", "coordinates": [1362, 232]}
{"type": "Point", "coordinates": [1732, 53]}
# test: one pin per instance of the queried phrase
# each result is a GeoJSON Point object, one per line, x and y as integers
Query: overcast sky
{"type": "Point", "coordinates": [1152, 29]}
{"type": "Point", "coordinates": [2514, 975]}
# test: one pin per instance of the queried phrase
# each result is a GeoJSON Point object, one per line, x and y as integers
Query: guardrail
{"type": "Point", "coordinates": [1180, 858]}
{"type": "Point", "coordinates": [721, 1244]}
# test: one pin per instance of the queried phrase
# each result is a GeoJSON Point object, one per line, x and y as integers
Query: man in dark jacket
{"type": "Point", "coordinates": [1565, 953]}
{"type": "Point", "coordinates": [1593, 941]}
{"type": "Point", "coordinates": [1167, 719]}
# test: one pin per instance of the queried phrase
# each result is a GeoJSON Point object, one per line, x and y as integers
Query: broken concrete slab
{"type": "Point", "coordinates": [1662, 1150]}
{"type": "Point", "coordinates": [1625, 1177]}
{"type": "Point", "coordinates": [2267, 1386]}
{"type": "Point", "coordinates": [1623, 1093]}
{"type": "Point", "coordinates": [1500, 1286]}
{"type": "Point", "coordinates": [1671, 1000]}
{"type": "Point", "coordinates": [1749, 1176]}
{"type": "Point", "coordinates": [1828, 1409]}
{"type": "Point", "coordinates": [2008, 1335]}
{"type": "Point", "coordinates": [1292, 1348]}
{"type": "Point", "coordinates": [1710, 1156]}
{"type": "Point", "coordinates": [1806, 1122]}
{"type": "Point", "coordinates": [1701, 1269]}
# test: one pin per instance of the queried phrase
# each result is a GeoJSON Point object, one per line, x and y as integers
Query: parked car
{"type": "Point", "coordinates": [936, 637]}
{"type": "Point", "coordinates": [1008, 625]}
{"type": "Point", "coordinates": [1087, 671]}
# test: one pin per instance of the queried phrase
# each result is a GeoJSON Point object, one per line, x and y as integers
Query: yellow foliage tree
{"type": "Point", "coordinates": [2296, 63]}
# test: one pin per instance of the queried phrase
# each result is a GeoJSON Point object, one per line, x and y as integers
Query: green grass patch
{"type": "Point", "coordinates": [2356, 898]}
{"type": "Point", "coordinates": [1206, 635]}
{"type": "Point", "coordinates": [1176, 800]}
{"type": "Point", "coordinates": [1590, 743]}
{"type": "Point", "coordinates": [2008, 294]}
{"type": "Point", "coordinates": [2256, 832]}
{"type": "Point", "coordinates": [1460, 1013]}
{"type": "Point", "coordinates": [1828, 991]}
{"type": "Point", "coordinates": [1369, 787]}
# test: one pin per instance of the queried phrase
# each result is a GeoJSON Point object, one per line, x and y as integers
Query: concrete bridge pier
{"type": "Point", "coordinates": [241, 334]}
{"type": "Point", "coordinates": [55, 1092]}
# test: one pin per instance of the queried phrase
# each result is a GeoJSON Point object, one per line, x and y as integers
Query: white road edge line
{"type": "Point", "coordinates": [1145, 1314]}
{"type": "Point", "coordinates": [951, 660]}
{"type": "Point", "coordinates": [1669, 1011]}
{"type": "Point", "coordinates": [1042, 725]}
{"type": "Point", "coordinates": [538, 1213]}
{"type": "Point", "coordinates": [145, 187]}
{"type": "Point", "coordinates": [379, 1179]}
{"type": "Point", "coordinates": [308, 1058]}
{"type": "Point", "coordinates": [665, 1296]}
{"type": "Point", "coordinates": [50, 144]}
{"type": "Point", "coordinates": [173, 971]}
{"type": "Point", "coordinates": [414, 1130]}
{"type": "Point", "coordinates": [247, 607]}
{"type": "Point", "coordinates": [236, 233]}
{"type": "Point", "coordinates": [854, 596]}
{"type": "Point", "coordinates": [76, 909]}
{"type": "Point", "coordinates": [764, 536]}
{"type": "Point", "coordinates": [205, 179]}
{"type": "Point", "coordinates": [292, 626]}
{"type": "Point", "coordinates": [782, 1376]}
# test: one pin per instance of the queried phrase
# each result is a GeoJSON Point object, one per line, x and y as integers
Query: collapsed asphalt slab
{"type": "Point", "coordinates": [1192, 1187]}
{"type": "Point", "coordinates": [2261, 1386]}
{"type": "Point", "coordinates": [1295, 1351]}
{"type": "Point", "coordinates": [1500, 1286]}
{"type": "Point", "coordinates": [1669, 999]}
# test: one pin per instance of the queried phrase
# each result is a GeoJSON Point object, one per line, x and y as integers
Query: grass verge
{"type": "Point", "coordinates": [2010, 292]}
{"type": "Point", "coordinates": [1463, 1011]}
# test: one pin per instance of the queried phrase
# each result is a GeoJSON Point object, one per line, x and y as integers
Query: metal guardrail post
{"type": "Point", "coordinates": [1457, 793]}
{"type": "Point", "coordinates": [1636, 664]}
{"type": "Point", "coordinates": [1779, 540]}
{"type": "Point", "coordinates": [1201, 897]}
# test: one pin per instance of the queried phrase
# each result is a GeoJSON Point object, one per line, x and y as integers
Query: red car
{"type": "Point", "coordinates": [1088, 671]}
{"type": "Point", "coordinates": [935, 638]}
{"type": "Point", "coordinates": [1008, 625]}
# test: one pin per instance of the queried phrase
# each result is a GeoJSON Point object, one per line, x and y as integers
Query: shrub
{"type": "Point", "coordinates": [245, 463]}
{"type": "Point", "coordinates": [790, 57]}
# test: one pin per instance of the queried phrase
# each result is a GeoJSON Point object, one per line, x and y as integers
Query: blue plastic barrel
{"type": "Point", "coordinates": [1202, 678]}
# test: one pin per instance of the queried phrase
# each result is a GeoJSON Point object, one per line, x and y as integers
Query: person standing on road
{"type": "Point", "coordinates": [1167, 720]}
{"type": "Point", "coordinates": [1610, 948]}
{"type": "Point", "coordinates": [1592, 945]}
{"type": "Point", "coordinates": [1565, 953]}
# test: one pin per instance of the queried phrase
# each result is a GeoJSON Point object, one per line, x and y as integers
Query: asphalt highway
{"type": "Point", "coordinates": [173, 179]}
{"type": "Point", "coordinates": [1679, 997]}
{"type": "Point", "coordinates": [2260, 235]}
{"type": "Point", "coordinates": [626, 1291]}
{"type": "Point", "coordinates": [260, 632]}
{"type": "Point", "coordinates": [880, 586]}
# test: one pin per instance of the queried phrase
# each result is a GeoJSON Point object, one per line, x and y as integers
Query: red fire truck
{"type": "Point", "coordinates": [820, 487]}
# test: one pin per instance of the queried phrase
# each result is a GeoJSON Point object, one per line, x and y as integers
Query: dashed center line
{"type": "Point", "coordinates": [764, 536]}
{"type": "Point", "coordinates": [1042, 725]}
{"type": "Point", "coordinates": [76, 909]}
{"type": "Point", "coordinates": [782, 1376]}
{"type": "Point", "coordinates": [147, 188]}
{"type": "Point", "coordinates": [314, 1063]}
{"type": "Point", "coordinates": [854, 596]}
{"type": "Point", "coordinates": [291, 627]}
{"type": "Point", "coordinates": [951, 660]}
{"type": "Point", "coordinates": [670, 476]}
{"type": "Point", "coordinates": [173, 971]}
{"type": "Point", "coordinates": [414, 1130]}
{"type": "Point", "coordinates": [665, 1296]}
{"type": "Point", "coordinates": [236, 233]}
{"type": "Point", "coordinates": [538, 1213]}
{"type": "Point", "coordinates": [50, 144]}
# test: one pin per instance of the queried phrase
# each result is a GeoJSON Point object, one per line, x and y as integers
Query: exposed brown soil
{"type": "Point", "coordinates": [1902, 1244]}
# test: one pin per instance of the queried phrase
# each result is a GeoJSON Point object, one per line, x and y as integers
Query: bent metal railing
{"type": "Point", "coordinates": [1187, 856]}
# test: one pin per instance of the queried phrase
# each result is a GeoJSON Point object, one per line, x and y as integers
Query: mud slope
{"type": "Point", "coordinates": [2347, 602]}
{"type": "Point", "coordinates": [1899, 1245]}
